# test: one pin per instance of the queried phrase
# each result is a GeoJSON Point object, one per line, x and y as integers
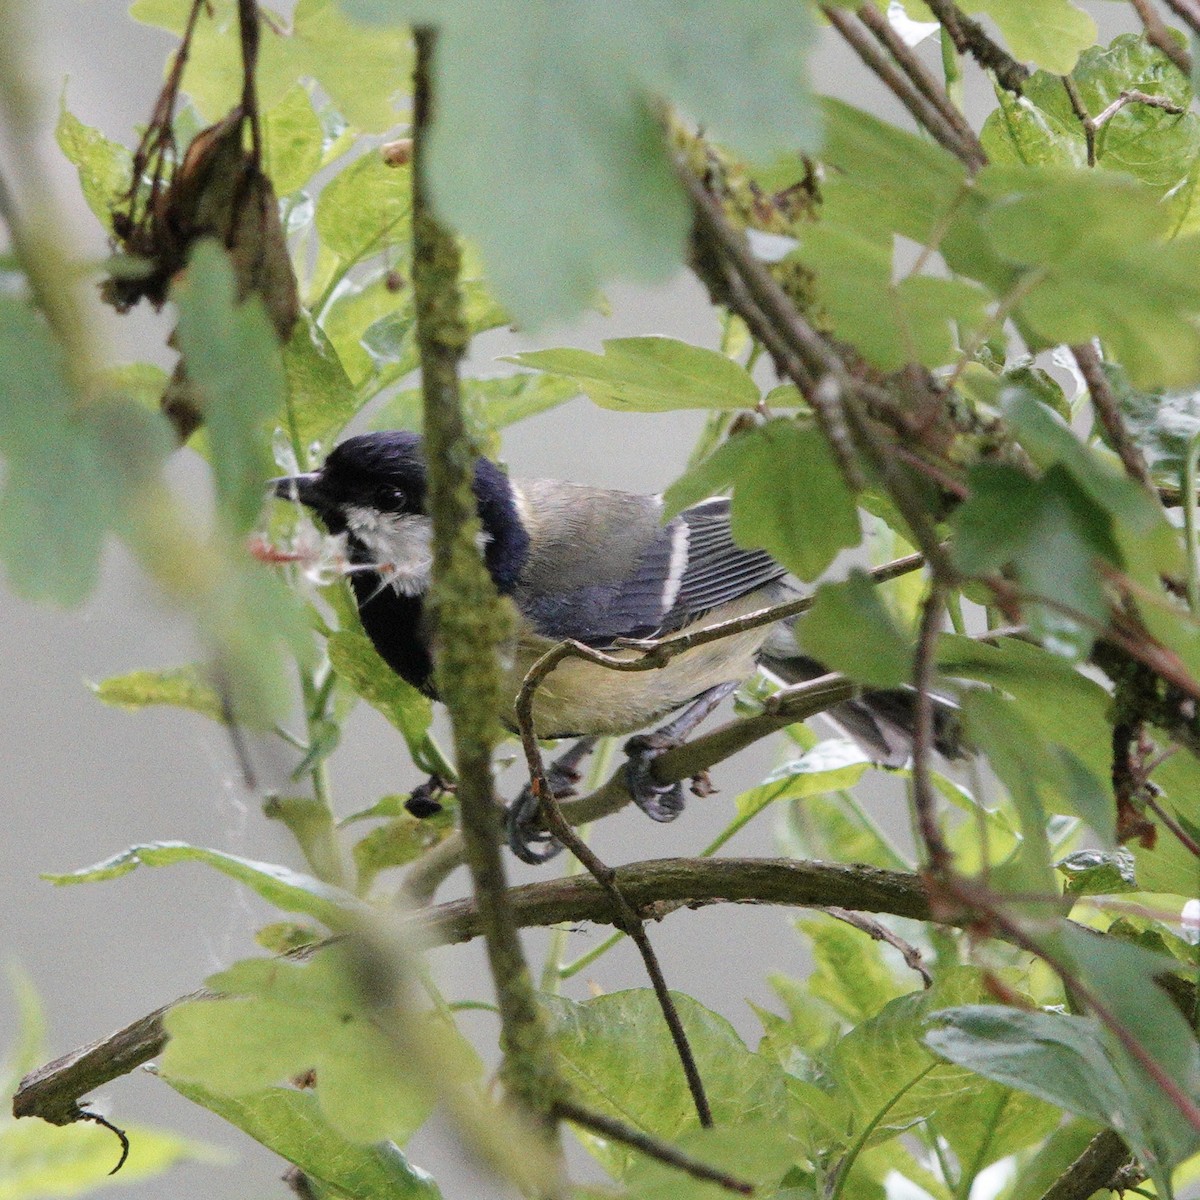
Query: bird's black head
{"type": "Point", "coordinates": [385, 473]}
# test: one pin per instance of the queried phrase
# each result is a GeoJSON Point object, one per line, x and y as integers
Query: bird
{"type": "Point", "coordinates": [593, 565]}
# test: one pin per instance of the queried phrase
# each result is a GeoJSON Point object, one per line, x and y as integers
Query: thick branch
{"type": "Point", "coordinates": [1159, 36]}
{"type": "Point", "coordinates": [1093, 1170]}
{"type": "Point", "coordinates": [468, 621]}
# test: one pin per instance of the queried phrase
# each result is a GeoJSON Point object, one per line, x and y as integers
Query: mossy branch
{"type": "Point", "coordinates": [468, 620]}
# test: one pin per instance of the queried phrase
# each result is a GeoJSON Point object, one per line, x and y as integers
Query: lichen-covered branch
{"type": "Point", "coordinates": [468, 620]}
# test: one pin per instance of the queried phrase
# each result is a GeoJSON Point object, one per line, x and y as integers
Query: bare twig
{"type": "Point", "coordinates": [881, 933]}
{"type": "Point", "coordinates": [923, 79]}
{"type": "Point", "coordinates": [969, 37]}
{"type": "Point", "coordinates": [928, 113]}
{"type": "Point", "coordinates": [1080, 110]}
{"type": "Point", "coordinates": [1159, 36]}
{"type": "Point", "coordinates": [627, 1135]}
{"type": "Point", "coordinates": [627, 918]}
{"type": "Point", "coordinates": [924, 794]}
{"type": "Point", "coordinates": [1185, 839]}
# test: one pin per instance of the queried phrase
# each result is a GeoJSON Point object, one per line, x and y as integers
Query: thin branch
{"type": "Point", "coordinates": [927, 113]}
{"type": "Point", "coordinates": [1184, 838]}
{"type": "Point", "coordinates": [469, 622]}
{"type": "Point", "coordinates": [627, 1135]}
{"type": "Point", "coordinates": [627, 918]}
{"type": "Point", "coordinates": [1085, 119]}
{"type": "Point", "coordinates": [924, 794]}
{"type": "Point", "coordinates": [969, 37]}
{"type": "Point", "coordinates": [881, 933]}
{"type": "Point", "coordinates": [923, 79]}
{"type": "Point", "coordinates": [786, 707]}
{"type": "Point", "coordinates": [1160, 37]}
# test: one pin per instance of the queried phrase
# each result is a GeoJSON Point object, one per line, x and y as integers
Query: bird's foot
{"type": "Point", "coordinates": [526, 837]}
{"type": "Point", "coordinates": [423, 801]}
{"type": "Point", "coordinates": [659, 801]}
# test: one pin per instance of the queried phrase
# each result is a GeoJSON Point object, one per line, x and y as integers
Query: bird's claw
{"type": "Point", "coordinates": [659, 801]}
{"type": "Point", "coordinates": [524, 833]}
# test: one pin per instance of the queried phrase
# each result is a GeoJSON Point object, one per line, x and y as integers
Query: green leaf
{"type": "Point", "coordinates": [354, 659]}
{"type": "Point", "coordinates": [1157, 147]}
{"type": "Point", "coordinates": [997, 1123]}
{"type": "Point", "coordinates": [1050, 1163]}
{"type": "Point", "coordinates": [361, 69]}
{"type": "Point", "coordinates": [883, 1069]}
{"type": "Point", "coordinates": [290, 1123]}
{"type": "Point", "coordinates": [321, 400]}
{"type": "Point", "coordinates": [1050, 532]}
{"type": "Point", "coordinates": [828, 767]}
{"type": "Point", "coordinates": [890, 323]}
{"type": "Point", "coordinates": [650, 374]}
{"type": "Point", "coordinates": [39, 1160]}
{"type": "Point", "coordinates": [850, 630]}
{"type": "Point", "coordinates": [105, 167]}
{"type": "Point", "coordinates": [1162, 423]}
{"type": "Point", "coordinates": [276, 1019]}
{"type": "Point", "coordinates": [755, 1152]}
{"type": "Point", "coordinates": [365, 207]}
{"type": "Point", "coordinates": [293, 141]}
{"type": "Point", "coordinates": [73, 471]}
{"type": "Point", "coordinates": [397, 843]}
{"type": "Point", "coordinates": [850, 972]}
{"type": "Point", "coordinates": [592, 144]}
{"type": "Point", "coordinates": [789, 497]}
{"type": "Point", "coordinates": [1122, 282]}
{"type": "Point", "coordinates": [181, 687]}
{"type": "Point", "coordinates": [618, 1058]}
{"type": "Point", "coordinates": [1051, 34]}
{"type": "Point", "coordinates": [233, 361]}
{"type": "Point", "coordinates": [287, 889]}
{"type": "Point", "coordinates": [1098, 873]}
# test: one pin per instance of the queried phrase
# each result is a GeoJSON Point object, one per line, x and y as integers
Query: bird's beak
{"type": "Point", "coordinates": [305, 488]}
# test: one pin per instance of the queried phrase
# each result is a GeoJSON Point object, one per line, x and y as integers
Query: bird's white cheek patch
{"type": "Point", "coordinates": [401, 546]}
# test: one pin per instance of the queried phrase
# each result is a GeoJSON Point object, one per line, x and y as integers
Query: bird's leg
{"type": "Point", "coordinates": [523, 819]}
{"type": "Point", "coordinates": [664, 802]}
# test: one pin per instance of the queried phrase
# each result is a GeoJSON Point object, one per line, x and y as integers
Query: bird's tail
{"type": "Point", "coordinates": [880, 720]}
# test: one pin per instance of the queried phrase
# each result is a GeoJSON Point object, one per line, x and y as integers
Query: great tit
{"type": "Point", "coordinates": [591, 564]}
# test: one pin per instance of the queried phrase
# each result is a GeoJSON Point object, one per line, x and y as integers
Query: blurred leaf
{"type": "Point", "coordinates": [828, 767]}
{"type": "Point", "coordinates": [356, 307]}
{"type": "Point", "coordinates": [277, 1019]}
{"type": "Point", "coordinates": [1037, 1174]}
{"type": "Point", "coordinates": [105, 167]}
{"type": "Point", "coordinates": [39, 1161]}
{"type": "Point", "coordinates": [293, 141]}
{"type": "Point", "coordinates": [1122, 282]}
{"type": "Point", "coordinates": [233, 362]}
{"type": "Point", "coordinates": [619, 1059]}
{"type": "Point", "coordinates": [849, 630]}
{"type": "Point", "coordinates": [594, 71]}
{"type": "Point", "coordinates": [287, 889]}
{"type": "Point", "coordinates": [181, 687]}
{"type": "Point", "coordinates": [290, 1123]}
{"type": "Point", "coordinates": [72, 471]}
{"type": "Point", "coordinates": [650, 374]}
{"type": "Point", "coordinates": [996, 1123]}
{"type": "Point", "coordinates": [361, 69]}
{"type": "Point", "coordinates": [789, 497]}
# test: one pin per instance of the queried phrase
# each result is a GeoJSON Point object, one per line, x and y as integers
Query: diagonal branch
{"type": "Point", "coordinates": [969, 37]}
{"type": "Point", "coordinates": [1159, 36]}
